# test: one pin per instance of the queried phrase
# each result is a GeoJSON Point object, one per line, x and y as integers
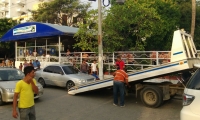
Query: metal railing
{"type": "Point", "coordinates": [134, 60]}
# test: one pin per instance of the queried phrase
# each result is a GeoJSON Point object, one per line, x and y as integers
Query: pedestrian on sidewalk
{"type": "Point", "coordinates": [25, 90]}
{"type": "Point", "coordinates": [120, 78]}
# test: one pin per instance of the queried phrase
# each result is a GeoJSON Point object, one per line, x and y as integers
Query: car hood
{"type": "Point", "coordinates": [81, 76]}
{"type": "Point", "coordinates": [8, 84]}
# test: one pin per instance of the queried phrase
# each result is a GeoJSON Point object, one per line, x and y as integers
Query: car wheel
{"type": "Point", "coordinates": [151, 96]}
{"type": "Point", "coordinates": [1, 100]}
{"type": "Point", "coordinates": [69, 85]}
{"type": "Point", "coordinates": [42, 82]}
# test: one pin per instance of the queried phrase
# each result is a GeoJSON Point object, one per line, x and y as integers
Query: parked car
{"type": "Point", "coordinates": [191, 98]}
{"type": "Point", "coordinates": [8, 79]}
{"type": "Point", "coordinates": [62, 75]}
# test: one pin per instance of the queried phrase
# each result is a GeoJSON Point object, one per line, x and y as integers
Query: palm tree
{"type": "Point", "coordinates": [193, 17]}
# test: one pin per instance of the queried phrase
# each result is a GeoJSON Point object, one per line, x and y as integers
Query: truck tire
{"type": "Point", "coordinates": [151, 96]}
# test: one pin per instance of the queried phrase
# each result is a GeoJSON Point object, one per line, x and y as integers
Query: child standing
{"type": "Point", "coordinates": [20, 66]}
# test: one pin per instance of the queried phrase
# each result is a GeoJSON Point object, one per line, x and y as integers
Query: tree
{"type": "Point", "coordinates": [186, 19]}
{"type": "Point", "coordinates": [63, 12]}
{"type": "Point", "coordinates": [86, 36]}
{"type": "Point", "coordinates": [136, 25]}
{"type": "Point", "coordinates": [142, 25]}
{"type": "Point", "coordinates": [169, 11]}
{"type": "Point", "coordinates": [197, 26]}
{"type": "Point", "coordinates": [127, 26]}
{"type": "Point", "coordinates": [193, 17]}
{"type": "Point", "coordinates": [5, 25]}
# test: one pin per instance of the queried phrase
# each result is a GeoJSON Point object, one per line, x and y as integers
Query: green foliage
{"type": "Point", "coordinates": [186, 16]}
{"type": "Point", "coordinates": [5, 25]}
{"type": "Point", "coordinates": [197, 28]}
{"type": "Point", "coordinates": [170, 14]}
{"type": "Point", "coordinates": [136, 25]}
{"type": "Point", "coordinates": [86, 37]}
{"type": "Point", "coordinates": [64, 12]}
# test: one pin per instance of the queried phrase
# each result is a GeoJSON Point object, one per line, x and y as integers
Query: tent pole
{"type": "Point", "coordinates": [59, 56]}
{"type": "Point", "coordinates": [15, 53]}
{"type": "Point", "coordinates": [25, 51]}
{"type": "Point", "coordinates": [46, 47]}
{"type": "Point", "coordinates": [35, 45]}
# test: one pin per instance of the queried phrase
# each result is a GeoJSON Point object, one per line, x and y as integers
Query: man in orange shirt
{"type": "Point", "coordinates": [120, 77]}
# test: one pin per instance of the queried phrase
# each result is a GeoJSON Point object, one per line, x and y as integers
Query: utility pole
{"type": "Point", "coordinates": [100, 47]}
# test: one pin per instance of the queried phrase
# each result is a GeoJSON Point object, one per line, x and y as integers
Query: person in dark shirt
{"type": "Point", "coordinates": [84, 67]}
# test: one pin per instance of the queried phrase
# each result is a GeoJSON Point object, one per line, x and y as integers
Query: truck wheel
{"type": "Point", "coordinates": [151, 96]}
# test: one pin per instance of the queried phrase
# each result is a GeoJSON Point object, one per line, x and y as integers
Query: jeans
{"type": "Point", "coordinates": [118, 87]}
{"type": "Point", "coordinates": [27, 113]}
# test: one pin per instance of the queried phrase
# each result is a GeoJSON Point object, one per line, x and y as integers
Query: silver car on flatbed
{"type": "Point", "coordinates": [62, 75]}
{"type": "Point", "coordinates": [8, 79]}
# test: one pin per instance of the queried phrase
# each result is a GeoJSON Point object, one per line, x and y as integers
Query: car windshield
{"type": "Point", "coordinates": [70, 70]}
{"type": "Point", "coordinates": [11, 75]}
{"type": "Point", "coordinates": [194, 82]}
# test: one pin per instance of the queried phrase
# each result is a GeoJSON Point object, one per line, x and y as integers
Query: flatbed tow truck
{"type": "Point", "coordinates": [183, 58]}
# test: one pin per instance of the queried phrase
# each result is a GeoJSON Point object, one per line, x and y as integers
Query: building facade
{"type": "Point", "coordinates": [18, 9]}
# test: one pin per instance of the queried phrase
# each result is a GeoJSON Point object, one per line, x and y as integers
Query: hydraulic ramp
{"type": "Point", "coordinates": [183, 57]}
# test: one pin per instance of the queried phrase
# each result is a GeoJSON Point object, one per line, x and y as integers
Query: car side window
{"type": "Point", "coordinates": [57, 70]}
{"type": "Point", "coordinates": [48, 69]}
{"type": "Point", "coordinates": [3, 75]}
{"type": "Point", "coordinates": [194, 82]}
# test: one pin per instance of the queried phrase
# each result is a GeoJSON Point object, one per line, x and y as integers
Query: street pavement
{"type": "Point", "coordinates": [56, 104]}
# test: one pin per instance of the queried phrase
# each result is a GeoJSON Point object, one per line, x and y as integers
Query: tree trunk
{"type": "Point", "coordinates": [193, 17]}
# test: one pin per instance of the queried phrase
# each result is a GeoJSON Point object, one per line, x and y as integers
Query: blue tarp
{"type": "Point", "coordinates": [35, 29]}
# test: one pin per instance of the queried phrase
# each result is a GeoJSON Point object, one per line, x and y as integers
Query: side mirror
{"type": "Point", "coordinates": [61, 73]}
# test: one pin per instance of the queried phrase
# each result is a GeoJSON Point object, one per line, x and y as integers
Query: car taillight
{"type": "Point", "coordinates": [187, 99]}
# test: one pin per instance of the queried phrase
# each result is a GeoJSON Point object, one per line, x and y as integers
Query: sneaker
{"type": "Point", "coordinates": [115, 104]}
{"type": "Point", "coordinates": [122, 106]}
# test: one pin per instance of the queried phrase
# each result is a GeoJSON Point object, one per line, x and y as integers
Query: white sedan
{"type": "Point", "coordinates": [62, 75]}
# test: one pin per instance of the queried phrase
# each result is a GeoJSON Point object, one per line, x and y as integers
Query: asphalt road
{"type": "Point", "coordinates": [56, 104]}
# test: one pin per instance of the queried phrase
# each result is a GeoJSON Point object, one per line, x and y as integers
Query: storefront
{"type": "Point", "coordinates": [42, 41]}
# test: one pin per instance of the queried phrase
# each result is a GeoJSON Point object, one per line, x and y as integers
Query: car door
{"type": "Point", "coordinates": [193, 88]}
{"type": "Point", "coordinates": [47, 75]}
{"type": "Point", "coordinates": [58, 78]}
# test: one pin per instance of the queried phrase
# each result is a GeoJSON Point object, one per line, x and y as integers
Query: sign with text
{"type": "Point", "coordinates": [24, 30]}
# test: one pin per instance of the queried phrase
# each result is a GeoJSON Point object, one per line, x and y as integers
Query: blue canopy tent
{"type": "Point", "coordinates": [36, 31]}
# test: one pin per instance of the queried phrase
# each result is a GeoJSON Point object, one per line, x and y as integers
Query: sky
{"type": "Point", "coordinates": [94, 4]}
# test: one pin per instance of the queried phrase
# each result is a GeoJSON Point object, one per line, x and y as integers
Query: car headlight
{"type": "Point", "coordinates": [10, 90]}
{"type": "Point", "coordinates": [39, 87]}
{"type": "Point", "coordinates": [82, 81]}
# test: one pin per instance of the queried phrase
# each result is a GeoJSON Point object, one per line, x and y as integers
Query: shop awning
{"type": "Point", "coordinates": [30, 30]}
